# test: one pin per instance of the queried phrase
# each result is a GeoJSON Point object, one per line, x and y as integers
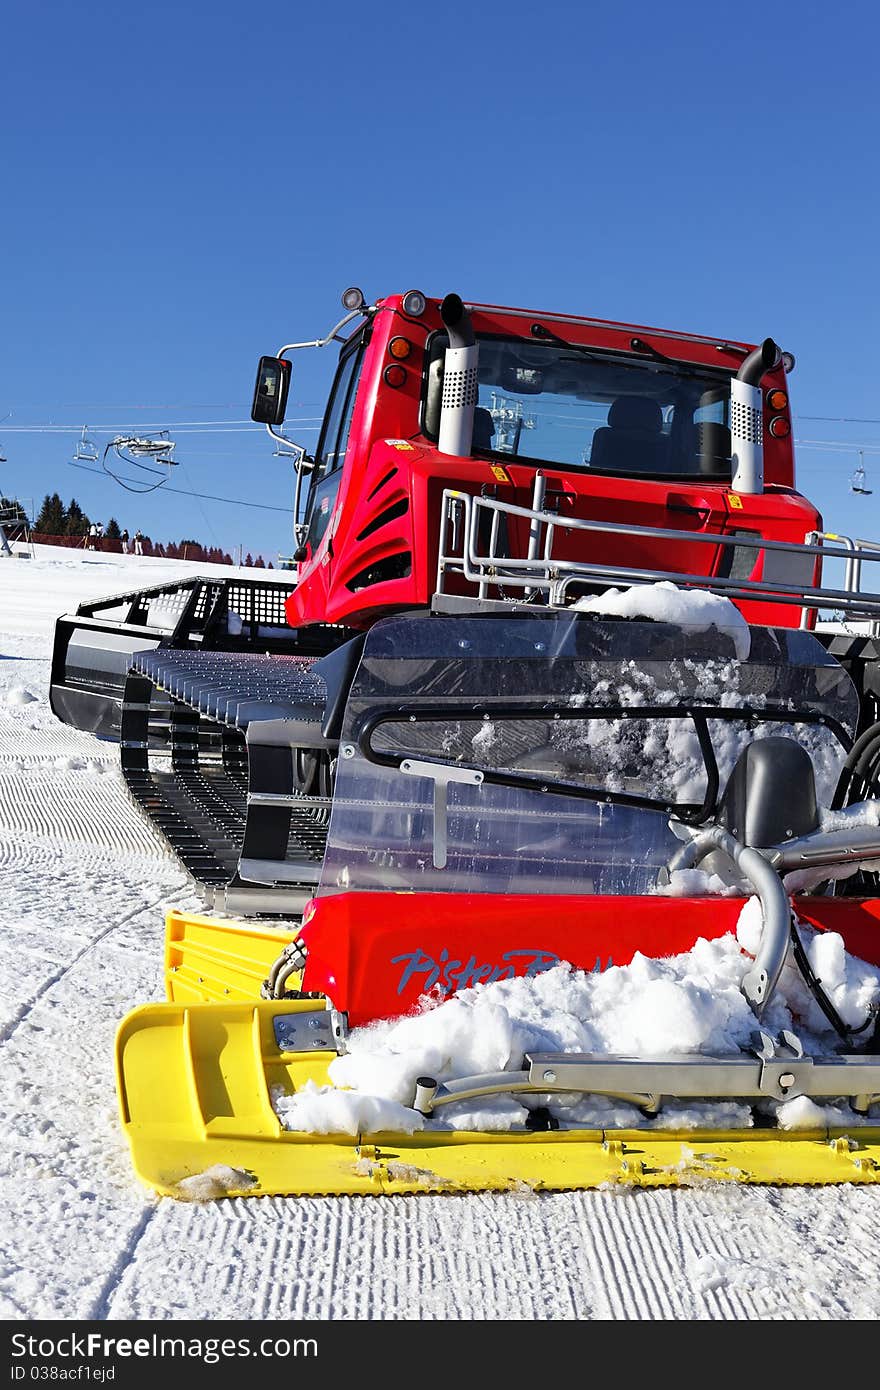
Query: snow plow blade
{"type": "Point", "coordinates": [210, 1130]}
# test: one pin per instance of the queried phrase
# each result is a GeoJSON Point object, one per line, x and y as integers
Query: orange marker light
{"type": "Point", "coordinates": [779, 427]}
{"type": "Point", "coordinates": [394, 375]}
{"type": "Point", "coordinates": [777, 400]}
{"type": "Point", "coordinates": [400, 348]}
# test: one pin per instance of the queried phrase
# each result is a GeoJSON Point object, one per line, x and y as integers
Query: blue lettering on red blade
{"type": "Point", "coordinates": [448, 974]}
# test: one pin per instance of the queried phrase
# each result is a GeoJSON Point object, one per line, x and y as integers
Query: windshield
{"type": "Point", "coordinates": [584, 408]}
{"type": "Point", "coordinates": [541, 707]}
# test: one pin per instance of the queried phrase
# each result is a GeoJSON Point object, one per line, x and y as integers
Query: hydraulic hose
{"type": "Point", "coordinates": [860, 767]}
{"type": "Point", "coordinates": [759, 982]}
{"type": "Point", "coordinates": [290, 962]}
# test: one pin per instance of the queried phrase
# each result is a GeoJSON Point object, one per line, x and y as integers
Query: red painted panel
{"type": "Point", "coordinates": [374, 954]}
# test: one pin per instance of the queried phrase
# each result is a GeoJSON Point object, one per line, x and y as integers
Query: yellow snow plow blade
{"type": "Point", "coordinates": [195, 1085]}
{"type": "Point", "coordinates": [217, 959]}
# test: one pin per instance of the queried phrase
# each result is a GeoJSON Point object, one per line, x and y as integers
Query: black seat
{"type": "Point", "coordinates": [484, 428]}
{"type": "Point", "coordinates": [713, 449]}
{"type": "Point", "coordinates": [633, 440]}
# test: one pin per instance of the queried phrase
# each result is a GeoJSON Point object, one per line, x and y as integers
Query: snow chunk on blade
{"type": "Point", "coordinates": [325, 1110]}
{"type": "Point", "coordinates": [688, 1005]}
{"type": "Point", "coordinates": [217, 1181]}
{"type": "Point", "coordinates": [666, 603]}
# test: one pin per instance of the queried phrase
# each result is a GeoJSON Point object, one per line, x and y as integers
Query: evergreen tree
{"type": "Point", "coordinates": [113, 531]}
{"type": "Point", "coordinates": [52, 519]}
{"type": "Point", "coordinates": [76, 522]}
{"type": "Point", "coordinates": [249, 561]}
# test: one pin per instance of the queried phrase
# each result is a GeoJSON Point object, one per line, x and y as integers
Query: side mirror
{"type": "Point", "coordinates": [270, 392]}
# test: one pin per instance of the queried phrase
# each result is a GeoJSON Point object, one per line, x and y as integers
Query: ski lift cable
{"type": "Point", "coordinates": [207, 496]}
{"type": "Point", "coordinates": [48, 427]}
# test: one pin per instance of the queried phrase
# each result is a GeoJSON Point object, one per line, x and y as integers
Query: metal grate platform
{"type": "Point", "coordinates": [221, 788]}
{"type": "Point", "coordinates": [232, 688]}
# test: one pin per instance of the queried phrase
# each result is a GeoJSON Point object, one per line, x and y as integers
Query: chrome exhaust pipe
{"type": "Point", "coordinates": [747, 417]}
{"type": "Point", "coordinates": [460, 386]}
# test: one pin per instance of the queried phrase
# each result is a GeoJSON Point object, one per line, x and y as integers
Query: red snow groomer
{"type": "Point", "coordinates": [500, 720]}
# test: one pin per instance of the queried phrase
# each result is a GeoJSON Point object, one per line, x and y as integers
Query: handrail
{"type": "Point", "coordinates": [540, 571]}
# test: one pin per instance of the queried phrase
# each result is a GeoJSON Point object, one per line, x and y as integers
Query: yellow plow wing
{"type": "Point", "coordinates": [195, 1085]}
{"type": "Point", "coordinates": [211, 959]}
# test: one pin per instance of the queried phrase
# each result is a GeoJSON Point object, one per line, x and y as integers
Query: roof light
{"type": "Point", "coordinates": [414, 304]}
{"type": "Point", "coordinates": [777, 400]}
{"type": "Point", "coordinates": [395, 375]}
{"type": "Point", "coordinates": [788, 361]}
{"type": "Point", "coordinates": [400, 348]}
{"type": "Point", "coordinates": [779, 427]}
{"type": "Point", "coordinates": [353, 299]}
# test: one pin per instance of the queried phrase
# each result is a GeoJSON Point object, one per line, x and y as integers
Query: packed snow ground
{"type": "Point", "coordinates": [83, 886]}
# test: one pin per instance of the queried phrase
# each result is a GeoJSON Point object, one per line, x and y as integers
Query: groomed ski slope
{"type": "Point", "coordinates": [83, 887]}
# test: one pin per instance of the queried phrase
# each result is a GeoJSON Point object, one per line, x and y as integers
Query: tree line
{"type": "Point", "coordinates": [56, 519]}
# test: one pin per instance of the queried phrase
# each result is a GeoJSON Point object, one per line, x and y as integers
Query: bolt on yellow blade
{"type": "Point", "coordinates": [195, 1085]}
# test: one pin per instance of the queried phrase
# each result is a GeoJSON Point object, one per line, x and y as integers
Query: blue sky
{"type": "Point", "coordinates": [185, 187]}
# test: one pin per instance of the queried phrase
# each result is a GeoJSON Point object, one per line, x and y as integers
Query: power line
{"type": "Point", "coordinates": [207, 496]}
{"type": "Point", "coordinates": [840, 419]}
{"type": "Point", "coordinates": [838, 445]}
{"type": "Point", "coordinates": [168, 405]}
{"type": "Point", "coordinates": [198, 426]}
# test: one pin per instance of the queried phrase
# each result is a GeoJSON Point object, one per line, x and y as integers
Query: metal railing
{"type": "Point", "coordinates": [474, 545]}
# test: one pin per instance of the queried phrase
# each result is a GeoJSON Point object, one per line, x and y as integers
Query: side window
{"type": "Point", "coordinates": [334, 436]}
{"type": "Point", "coordinates": [325, 476]}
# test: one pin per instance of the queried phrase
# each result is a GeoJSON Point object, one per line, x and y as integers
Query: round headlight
{"type": "Point", "coordinates": [414, 304]}
{"type": "Point", "coordinates": [353, 299]}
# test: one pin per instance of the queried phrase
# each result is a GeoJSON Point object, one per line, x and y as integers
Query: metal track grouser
{"type": "Point", "coordinates": [502, 715]}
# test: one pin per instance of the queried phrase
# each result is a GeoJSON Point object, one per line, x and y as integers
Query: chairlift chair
{"type": "Point", "coordinates": [859, 479]}
{"type": "Point", "coordinates": [86, 449]}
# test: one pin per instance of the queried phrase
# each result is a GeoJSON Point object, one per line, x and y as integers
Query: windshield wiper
{"type": "Point", "coordinates": [639, 345]}
{"type": "Point", "coordinates": [539, 331]}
